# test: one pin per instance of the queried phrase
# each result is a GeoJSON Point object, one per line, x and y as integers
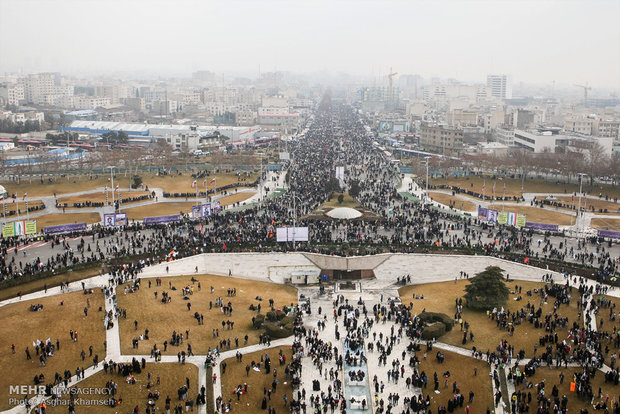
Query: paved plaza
{"type": "Point", "coordinates": [367, 293]}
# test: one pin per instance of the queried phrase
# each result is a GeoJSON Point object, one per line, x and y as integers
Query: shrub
{"type": "Point", "coordinates": [431, 317]}
{"type": "Point", "coordinates": [434, 330]}
{"type": "Point", "coordinates": [258, 321]}
{"type": "Point", "coordinates": [275, 330]}
{"type": "Point", "coordinates": [275, 316]}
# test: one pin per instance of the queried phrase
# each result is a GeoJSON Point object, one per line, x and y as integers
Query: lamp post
{"type": "Point", "coordinates": [426, 158]}
{"type": "Point", "coordinates": [295, 197]}
{"type": "Point", "coordinates": [112, 167]}
{"type": "Point", "coordinates": [578, 224]}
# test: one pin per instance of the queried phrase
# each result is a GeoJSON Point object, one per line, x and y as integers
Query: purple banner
{"type": "Point", "coordinates": [482, 213]}
{"type": "Point", "coordinates": [609, 234]}
{"type": "Point", "coordinates": [64, 228]}
{"type": "Point", "coordinates": [162, 219]}
{"type": "Point", "coordinates": [541, 226]}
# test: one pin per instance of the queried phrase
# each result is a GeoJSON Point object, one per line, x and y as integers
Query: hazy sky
{"type": "Point", "coordinates": [534, 41]}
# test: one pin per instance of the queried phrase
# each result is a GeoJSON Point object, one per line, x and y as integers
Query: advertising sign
{"type": "Point", "coordinates": [64, 228]}
{"type": "Point", "coordinates": [287, 234]}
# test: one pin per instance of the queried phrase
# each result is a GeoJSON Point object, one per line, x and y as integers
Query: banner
{"type": "Point", "coordinates": [162, 219]}
{"type": "Point", "coordinates": [520, 220]}
{"type": "Point", "coordinates": [608, 234]}
{"type": "Point", "coordinates": [542, 226]}
{"type": "Point", "coordinates": [492, 215]}
{"type": "Point", "coordinates": [64, 228]}
{"type": "Point", "coordinates": [114, 219]}
{"type": "Point", "coordinates": [217, 206]}
{"type": "Point", "coordinates": [8, 230]}
{"type": "Point", "coordinates": [502, 218]}
{"type": "Point", "coordinates": [482, 213]}
{"type": "Point", "coordinates": [286, 234]}
{"type": "Point", "coordinates": [203, 210]}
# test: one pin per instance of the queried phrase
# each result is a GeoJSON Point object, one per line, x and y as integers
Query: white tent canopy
{"type": "Point", "coordinates": [344, 213]}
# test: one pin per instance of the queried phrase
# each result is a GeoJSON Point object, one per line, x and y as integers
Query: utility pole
{"type": "Point", "coordinates": [112, 181]}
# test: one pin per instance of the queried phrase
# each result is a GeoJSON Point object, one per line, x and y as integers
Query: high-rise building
{"type": "Point", "coordinates": [501, 86]}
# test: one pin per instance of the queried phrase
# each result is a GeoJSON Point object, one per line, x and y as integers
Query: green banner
{"type": "Point", "coordinates": [31, 227]}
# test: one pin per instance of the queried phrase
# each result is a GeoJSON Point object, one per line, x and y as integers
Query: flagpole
{"type": "Point", "coordinates": [484, 187]}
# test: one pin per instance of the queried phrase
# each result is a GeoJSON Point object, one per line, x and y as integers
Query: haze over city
{"type": "Point", "coordinates": [534, 41]}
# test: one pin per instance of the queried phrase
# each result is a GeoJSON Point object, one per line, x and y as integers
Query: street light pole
{"type": "Point", "coordinates": [112, 180]}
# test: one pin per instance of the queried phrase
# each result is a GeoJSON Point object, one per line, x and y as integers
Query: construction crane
{"type": "Point", "coordinates": [390, 76]}
{"type": "Point", "coordinates": [586, 88]}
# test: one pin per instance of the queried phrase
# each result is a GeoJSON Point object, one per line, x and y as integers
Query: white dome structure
{"type": "Point", "coordinates": [344, 213]}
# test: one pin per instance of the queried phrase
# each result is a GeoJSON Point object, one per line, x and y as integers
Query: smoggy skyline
{"type": "Point", "coordinates": [532, 41]}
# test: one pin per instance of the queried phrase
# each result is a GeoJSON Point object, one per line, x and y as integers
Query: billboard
{"type": "Point", "coordinates": [511, 219]}
{"type": "Point", "coordinates": [115, 219]}
{"type": "Point", "coordinates": [217, 206]}
{"type": "Point", "coordinates": [64, 228]}
{"type": "Point", "coordinates": [162, 219]}
{"type": "Point", "coordinates": [203, 210]}
{"type": "Point", "coordinates": [286, 234]}
{"type": "Point", "coordinates": [19, 228]}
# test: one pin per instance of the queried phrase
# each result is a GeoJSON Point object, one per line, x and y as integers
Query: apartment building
{"type": "Point", "coordinates": [441, 139]}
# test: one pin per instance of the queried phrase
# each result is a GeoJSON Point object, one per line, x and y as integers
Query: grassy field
{"type": "Point", "coordinates": [537, 215]}
{"type": "Point", "coordinates": [52, 281]}
{"type": "Point", "coordinates": [440, 297]}
{"type": "Point", "coordinates": [66, 218]}
{"type": "Point", "coordinates": [69, 184]}
{"type": "Point", "coordinates": [21, 327]}
{"type": "Point", "coordinates": [235, 198]}
{"type": "Point", "coordinates": [169, 183]}
{"type": "Point", "coordinates": [513, 186]}
{"type": "Point", "coordinates": [612, 208]}
{"type": "Point", "coordinates": [171, 378]}
{"type": "Point", "coordinates": [469, 374]}
{"type": "Point", "coordinates": [347, 201]}
{"type": "Point", "coordinates": [99, 197]}
{"type": "Point", "coordinates": [551, 377]}
{"type": "Point", "coordinates": [605, 224]}
{"type": "Point", "coordinates": [161, 319]}
{"type": "Point", "coordinates": [451, 201]}
{"type": "Point", "coordinates": [183, 183]}
{"type": "Point", "coordinates": [158, 209]}
{"type": "Point", "coordinates": [12, 207]}
{"type": "Point", "coordinates": [235, 375]}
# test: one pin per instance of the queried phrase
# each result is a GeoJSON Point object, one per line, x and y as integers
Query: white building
{"type": "Point", "coordinates": [501, 86]}
{"type": "Point", "coordinates": [505, 136]}
{"type": "Point", "coordinates": [536, 141]}
{"type": "Point", "coordinates": [12, 94]}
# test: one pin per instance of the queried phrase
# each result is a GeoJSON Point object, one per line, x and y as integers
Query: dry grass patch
{"type": "Point", "coordinates": [347, 201]}
{"type": "Point", "coordinates": [440, 297]}
{"type": "Point", "coordinates": [513, 186]}
{"type": "Point", "coordinates": [452, 201]}
{"type": "Point", "coordinates": [235, 198]}
{"type": "Point", "coordinates": [51, 281]}
{"type": "Point", "coordinates": [235, 375]}
{"type": "Point", "coordinates": [171, 378]}
{"type": "Point", "coordinates": [605, 224]}
{"type": "Point", "coordinates": [69, 184]}
{"type": "Point", "coordinates": [99, 197]}
{"type": "Point", "coordinates": [537, 215]}
{"type": "Point", "coordinates": [470, 375]}
{"type": "Point", "coordinates": [612, 208]}
{"type": "Point", "coordinates": [175, 183]}
{"type": "Point", "coordinates": [161, 319]}
{"type": "Point", "coordinates": [11, 207]}
{"type": "Point", "coordinates": [66, 218]}
{"type": "Point", "coordinates": [22, 327]}
{"type": "Point", "coordinates": [551, 377]}
{"type": "Point", "coordinates": [158, 209]}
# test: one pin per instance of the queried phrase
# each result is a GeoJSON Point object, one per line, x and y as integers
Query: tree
{"type": "Point", "coordinates": [340, 198]}
{"type": "Point", "coordinates": [487, 289]}
{"type": "Point", "coordinates": [137, 181]}
{"type": "Point", "coordinates": [354, 188]}
{"type": "Point", "coordinates": [332, 185]}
